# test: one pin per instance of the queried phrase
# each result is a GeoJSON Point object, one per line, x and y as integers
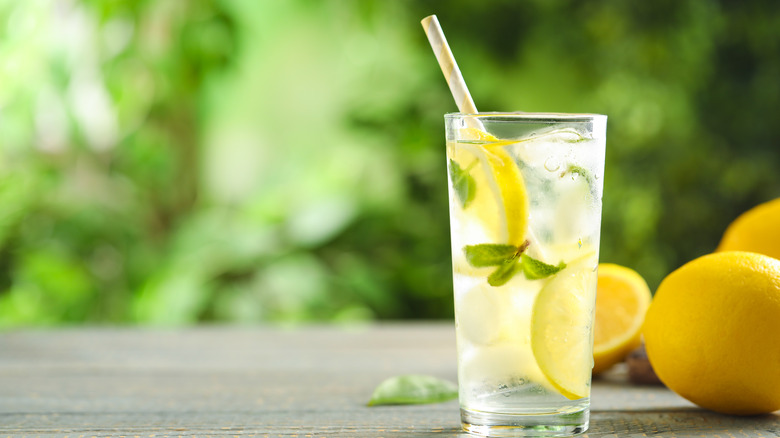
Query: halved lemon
{"type": "Point", "coordinates": [621, 303]}
{"type": "Point", "coordinates": [560, 329]}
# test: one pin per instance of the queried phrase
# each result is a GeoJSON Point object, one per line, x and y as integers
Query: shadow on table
{"type": "Point", "coordinates": [680, 421]}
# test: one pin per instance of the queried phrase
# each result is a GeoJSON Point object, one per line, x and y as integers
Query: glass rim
{"type": "Point", "coordinates": [528, 116]}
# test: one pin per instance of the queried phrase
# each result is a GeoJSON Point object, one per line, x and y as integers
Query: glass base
{"type": "Point", "coordinates": [524, 425]}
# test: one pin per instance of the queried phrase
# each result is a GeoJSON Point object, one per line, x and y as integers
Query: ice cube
{"type": "Point", "coordinates": [479, 312]}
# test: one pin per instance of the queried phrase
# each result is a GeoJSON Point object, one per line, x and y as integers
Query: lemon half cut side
{"type": "Point", "coordinates": [622, 299]}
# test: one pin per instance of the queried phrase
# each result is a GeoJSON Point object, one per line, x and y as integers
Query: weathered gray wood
{"type": "Point", "coordinates": [271, 382]}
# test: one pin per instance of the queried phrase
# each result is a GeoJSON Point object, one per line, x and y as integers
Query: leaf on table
{"type": "Point", "coordinates": [413, 389]}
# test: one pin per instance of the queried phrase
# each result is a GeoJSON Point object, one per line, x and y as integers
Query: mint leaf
{"type": "Point", "coordinates": [413, 389]}
{"type": "Point", "coordinates": [585, 174]}
{"type": "Point", "coordinates": [536, 270]}
{"type": "Point", "coordinates": [504, 273]}
{"type": "Point", "coordinates": [463, 183]}
{"type": "Point", "coordinates": [489, 254]}
{"type": "Point", "coordinates": [495, 254]}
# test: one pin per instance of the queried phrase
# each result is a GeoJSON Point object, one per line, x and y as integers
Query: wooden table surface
{"type": "Point", "coordinates": [277, 382]}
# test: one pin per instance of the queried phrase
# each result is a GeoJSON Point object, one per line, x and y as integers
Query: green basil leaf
{"type": "Point", "coordinates": [535, 269]}
{"type": "Point", "coordinates": [489, 254]}
{"type": "Point", "coordinates": [413, 389]}
{"type": "Point", "coordinates": [463, 183]}
{"type": "Point", "coordinates": [504, 273]}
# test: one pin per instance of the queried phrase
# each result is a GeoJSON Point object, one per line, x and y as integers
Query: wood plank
{"type": "Point", "coordinates": [270, 382]}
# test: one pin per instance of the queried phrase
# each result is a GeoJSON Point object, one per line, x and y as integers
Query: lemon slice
{"type": "Point", "coordinates": [560, 331]}
{"type": "Point", "coordinates": [621, 303]}
{"type": "Point", "coordinates": [482, 136]}
{"type": "Point", "coordinates": [506, 183]}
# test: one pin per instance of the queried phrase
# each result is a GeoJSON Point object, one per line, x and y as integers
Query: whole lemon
{"type": "Point", "coordinates": [756, 230]}
{"type": "Point", "coordinates": [712, 332]}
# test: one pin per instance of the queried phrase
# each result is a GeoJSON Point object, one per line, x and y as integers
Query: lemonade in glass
{"type": "Point", "coordinates": [525, 217]}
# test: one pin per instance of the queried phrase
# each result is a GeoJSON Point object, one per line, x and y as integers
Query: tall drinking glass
{"type": "Point", "coordinates": [525, 218]}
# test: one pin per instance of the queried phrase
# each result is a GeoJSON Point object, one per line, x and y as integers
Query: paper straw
{"type": "Point", "coordinates": [459, 89]}
{"type": "Point", "coordinates": [448, 65]}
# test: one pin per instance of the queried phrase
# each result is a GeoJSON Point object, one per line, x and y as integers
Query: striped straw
{"type": "Point", "coordinates": [448, 65]}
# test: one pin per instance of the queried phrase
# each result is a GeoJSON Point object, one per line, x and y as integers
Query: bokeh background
{"type": "Point", "coordinates": [245, 161]}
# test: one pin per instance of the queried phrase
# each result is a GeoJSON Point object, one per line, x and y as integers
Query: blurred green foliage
{"type": "Point", "coordinates": [175, 161]}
